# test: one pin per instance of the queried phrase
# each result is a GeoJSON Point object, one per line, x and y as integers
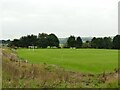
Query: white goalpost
{"type": "Point", "coordinates": [32, 47]}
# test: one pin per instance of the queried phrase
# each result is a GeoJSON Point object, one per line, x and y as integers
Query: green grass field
{"type": "Point", "coordinates": [82, 60]}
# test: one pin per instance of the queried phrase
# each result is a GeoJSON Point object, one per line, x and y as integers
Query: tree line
{"type": "Point", "coordinates": [98, 43]}
{"type": "Point", "coordinates": [44, 40]}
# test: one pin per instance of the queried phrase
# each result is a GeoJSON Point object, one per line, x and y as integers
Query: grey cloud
{"type": "Point", "coordinates": [62, 17]}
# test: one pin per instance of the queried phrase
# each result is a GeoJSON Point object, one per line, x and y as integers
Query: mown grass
{"type": "Point", "coordinates": [81, 60]}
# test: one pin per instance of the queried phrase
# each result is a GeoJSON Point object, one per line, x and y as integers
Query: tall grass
{"type": "Point", "coordinates": [0, 68]}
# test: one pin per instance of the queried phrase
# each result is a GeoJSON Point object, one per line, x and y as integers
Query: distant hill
{"type": "Point", "coordinates": [64, 40]}
{"type": "Point", "coordinates": [84, 39]}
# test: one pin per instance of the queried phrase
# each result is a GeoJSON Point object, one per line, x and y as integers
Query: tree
{"type": "Point", "coordinates": [87, 44]}
{"type": "Point", "coordinates": [43, 40]}
{"type": "Point", "coordinates": [71, 41]}
{"type": "Point", "coordinates": [107, 42]}
{"type": "Point", "coordinates": [32, 40]}
{"type": "Point", "coordinates": [29, 40]}
{"type": "Point", "coordinates": [93, 43]}
{"type": "Point", "coordinates": [78, 42]}
{"type": "Point", "coordinates": [116, 42]}
{"type": "Point", "coordinates": [15, 42]}
{"type": "Point", "coordinates": [53, 40]}
{"type": "Point", "coordinates": [97, 43]}
{"type": "Point", "coordinates": [100, 43]}
{"type": "Point", "coordinates": [5, 42]}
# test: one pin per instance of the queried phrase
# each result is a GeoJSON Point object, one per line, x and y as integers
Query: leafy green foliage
{"type": "Point", "coordinates": [79, 42]}
{"type": "Point", "coordinates": [116, 42]}
{"type": "Point", "coordinates": [100, 43]}
{"type": "Point", "coordinates": [43, 40]}
{"type": "Point", "coordinates": [53, 40]}
{"type": "Point", "coordinates": [71, 41]}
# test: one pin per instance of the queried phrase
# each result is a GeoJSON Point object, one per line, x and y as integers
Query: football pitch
{"type": "Point", "coordinates": [79, 60]}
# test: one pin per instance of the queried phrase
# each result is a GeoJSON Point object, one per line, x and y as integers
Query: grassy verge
{"type": "Point", "coordinates": [0, 68]}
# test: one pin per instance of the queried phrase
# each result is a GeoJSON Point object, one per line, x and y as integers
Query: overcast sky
{"type": "Point", "coordinates": [62, 17]}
